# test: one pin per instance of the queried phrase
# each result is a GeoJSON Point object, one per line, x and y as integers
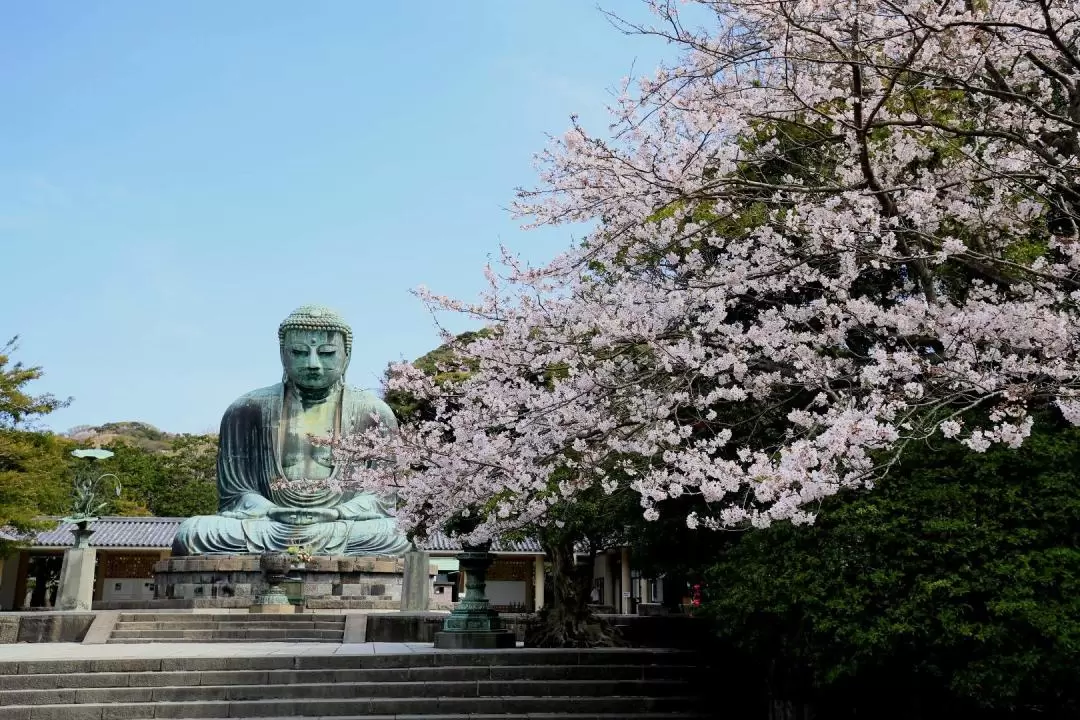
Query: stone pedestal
{"type": "Point", "coordinates": [273, 600]}
{"type": "Point", "coordinates": [77, 579]}
{"type": "Point", "coordinates": [473, 624]}
{"type": "Point", "coordinates": [323, 583]}
{"type": "Point", "coordinates": [417, 583]}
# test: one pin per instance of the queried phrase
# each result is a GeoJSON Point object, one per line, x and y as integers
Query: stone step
{"type": "Point", "coordinates": [343, 691]}
{"type": "Point", "coordinates": [234, 631]}
{"type": "Point", "coordinates": [51, 681]}
{"type": "Point", "coordinates": [139, 627]}
{"type": "Point", "coordinates": [458, 658]}
{"type": "Point", "coordinates": [227, 617]}
{"type": "Point", "coordinates": [237, 634]}
{"type": "Point", "coordinates": [337, 620]}
{"type": "Point", "coordinates": [512, 716]}
{"type": "Point", "coordinates": [518, 716]}
{"type": "Point", "coordinates": [215, 639]}
{"type": "Point", "coordinates": [462, 685]}
{"type": "Point", "coordinates": [107, 715]}
{"type": "Point", "coordinates": [530, 706]}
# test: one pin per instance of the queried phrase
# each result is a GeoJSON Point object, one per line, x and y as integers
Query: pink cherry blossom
{"type": "Point", "coordinates": [830, 230]}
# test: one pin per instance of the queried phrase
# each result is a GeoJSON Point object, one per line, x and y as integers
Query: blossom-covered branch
{"type": "Point", "coordinates": [831, 229]}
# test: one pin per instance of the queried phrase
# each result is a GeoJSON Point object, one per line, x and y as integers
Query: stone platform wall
{"type": "Point", "coordinates": [43, 627]}
{"type": "Point", "coordinates": [672, 631]}
{"type": "Point", "coordinates": [325, 583]}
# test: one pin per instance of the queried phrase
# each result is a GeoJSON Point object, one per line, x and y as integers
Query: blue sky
{"type": "Point", "coordinates": [175, 178]}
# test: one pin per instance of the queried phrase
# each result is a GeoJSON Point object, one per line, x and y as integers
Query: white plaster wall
{"type": "Point", "coordinates": [129, 589]}
{"type": "Point", "coordinates": [602, 569]}
{"type": "Point", "coordinates": [505, 592]}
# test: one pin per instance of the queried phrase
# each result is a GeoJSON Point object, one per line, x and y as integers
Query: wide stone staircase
{"type": "Point", "coordinates": [227, 627]}
{"type": "Point", "coordinates": [493, 685]}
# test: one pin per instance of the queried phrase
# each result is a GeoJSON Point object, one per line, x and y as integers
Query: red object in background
{"type": "Point", "coordinates": [695, 598]}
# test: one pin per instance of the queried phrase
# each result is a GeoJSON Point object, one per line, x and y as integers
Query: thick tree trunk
{"type": "Point", "coordinates": [567, 621]}
{"type": "Point", "coordinates": [789, 710]}
{"type": "Point", "coordinates": [785, 701]}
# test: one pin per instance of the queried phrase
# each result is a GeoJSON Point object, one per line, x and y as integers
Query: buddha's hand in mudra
{"type": "Point", "coordinates": [304, 516]}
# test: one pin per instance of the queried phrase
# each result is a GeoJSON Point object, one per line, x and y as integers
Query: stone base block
{"type": "Point", "coordinates": [9, 629]}
{"type": "Point", "coordinates": [404, 627]}
{"type": "Point", "coordinates": [44, 627]}
{"type": "Point", "coordinates": [476, 640]}
{"type": "Point", "coordinates": [285, 609]}
{"type": "Point", "coordinates": [350, 603]}
{"type": "Point", "coordinates": [236, 581]}
{"type": "Point", "coordinates": [77, 579]}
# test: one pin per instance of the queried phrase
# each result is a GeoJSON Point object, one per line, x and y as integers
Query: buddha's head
{"type": "Point", "coordinates": [316, 345]}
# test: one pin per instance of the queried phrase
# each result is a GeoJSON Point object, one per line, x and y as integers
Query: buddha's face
{"type": "Point", "coordinates": [314, 359]}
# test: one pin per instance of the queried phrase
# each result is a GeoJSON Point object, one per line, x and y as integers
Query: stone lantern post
{"type": "Point", "coordinates": [77, 572]}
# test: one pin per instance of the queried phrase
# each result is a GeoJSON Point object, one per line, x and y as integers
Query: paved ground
{"type": "Point", "coordinates": [79, 651]}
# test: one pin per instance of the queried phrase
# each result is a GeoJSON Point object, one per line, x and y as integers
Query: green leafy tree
{"type": "Point", "coordinates": [177, 481]}
{"type": "Point", "coordinates": [188, 480]}
{"type": "Point", "coordinates": [139, 473]}
{"type": "Point", "coordinates": [18, 408]}
{"type": "Point", "coordinates": [33, 471]}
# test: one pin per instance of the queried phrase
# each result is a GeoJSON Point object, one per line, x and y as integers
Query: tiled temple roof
{"type": "Point", "coordinates": [441, 543]}
{"type": "Point", "coordinates": [116, 532]}
{"type": "Point", "coordinates": [156, 533]}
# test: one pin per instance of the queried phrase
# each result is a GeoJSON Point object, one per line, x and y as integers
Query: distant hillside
{"type": "Point", "coordinates": [137, 434]}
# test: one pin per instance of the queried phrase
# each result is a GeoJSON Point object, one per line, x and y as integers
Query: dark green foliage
{"type": "Point", "coordinates": [405, 406]}
{"type": "Point", "coordinates": [189, 477]}
{"type": "Point", "coordinates": [443, 364]}
{"type": "Point", "coordinates": [666, 548]}
{"type": "Point", "coordinates": [955, 581]}
{"type": "Point", "coordinates": [138, 472]}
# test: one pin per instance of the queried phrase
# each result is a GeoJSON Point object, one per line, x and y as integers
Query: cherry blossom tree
{"type": "Point", "coordinates": [831, 229]}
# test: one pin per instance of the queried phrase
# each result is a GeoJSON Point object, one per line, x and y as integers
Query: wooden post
{"type": "Point", "coordinates": [625, 581]}
{"type": "Point", "coordinates": [538, 583]}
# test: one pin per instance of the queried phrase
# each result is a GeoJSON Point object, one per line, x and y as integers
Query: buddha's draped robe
{"type": "Point", "coordinates": [250, 475]}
